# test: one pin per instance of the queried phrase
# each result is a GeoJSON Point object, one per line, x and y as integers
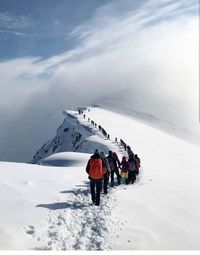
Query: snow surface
{"type": "Point", "coordinates": [45, 207]}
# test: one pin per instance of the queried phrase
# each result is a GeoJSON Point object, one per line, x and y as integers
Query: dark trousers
{"type": "Point", "coordinates": [105, 183]}
{"type": "Point", "coordinates": [95, 188]}
{"type": "Point", "coordinates": [116, 171]}
{"type": "Point", "coordinates": [131, 176]}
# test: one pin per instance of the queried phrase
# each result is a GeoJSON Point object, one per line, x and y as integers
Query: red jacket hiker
{"type": "Point", "coordinates": [95, 170]}
{"type": "Point", "coordinates": [94, 167]}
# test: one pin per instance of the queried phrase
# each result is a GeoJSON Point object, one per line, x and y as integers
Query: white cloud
{"type": "Point", "coordinates": [10, 21]}
{"type": "Point", "coordinates": [156, 65]}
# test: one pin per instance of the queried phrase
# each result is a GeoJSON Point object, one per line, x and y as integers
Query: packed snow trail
{"type": "Point", "coordinates": [77, 224]}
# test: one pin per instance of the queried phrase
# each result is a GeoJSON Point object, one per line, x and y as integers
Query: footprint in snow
{"type": "Point", "coordinates": [30, 230]}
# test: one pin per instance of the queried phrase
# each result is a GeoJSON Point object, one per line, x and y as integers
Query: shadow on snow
{"type": "Point", "coordinates": [72, 205]}
{"type": "Point", "coordinates": [64, 205]}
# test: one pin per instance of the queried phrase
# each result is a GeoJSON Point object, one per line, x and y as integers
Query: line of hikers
{"type": "Point", "coordinates": [101, 167]}
{"type": "Point", "coordinates": [103, 131]}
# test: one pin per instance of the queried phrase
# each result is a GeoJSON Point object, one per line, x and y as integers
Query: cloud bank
{"type": "Point", "coordinates": [144, 57]}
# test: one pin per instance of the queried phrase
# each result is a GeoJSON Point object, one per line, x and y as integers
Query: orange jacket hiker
{"type": "Point", "coordinates": [94, 167]}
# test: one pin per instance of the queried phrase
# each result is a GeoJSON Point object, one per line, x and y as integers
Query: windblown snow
{"type": "Point", "coordinates": [48, 206]}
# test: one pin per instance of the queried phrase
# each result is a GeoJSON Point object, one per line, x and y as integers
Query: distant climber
{"type": "Point", "coordinates": [132, 169]}
{"type": "Point", "coordinates": [123, 144]}
{"type": "Point", "coordinates": [137, 160]}
{"type": "Point", "coordinates": [129, 150]}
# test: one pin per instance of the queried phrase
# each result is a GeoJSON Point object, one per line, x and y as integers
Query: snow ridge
{"type": "Point", "coordinates": [75, 134]}
{"type": "Point", "coordinates": [78, 133]}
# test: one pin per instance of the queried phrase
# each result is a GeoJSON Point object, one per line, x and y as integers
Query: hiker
{"type": "Point", "coordinates": [95, 170]}
{"type": "Point", "coordinates": [124, 169]}
{"type": "Point", "coordinates": [137, 160]}
{"type": "Point", "coordinates": [104, 132]}
{"type": "Point", "coordinates": [129, 151]}
{"type": "Point", "coordinates": [132, 169]}
{"type": "Point", "coordinates": [116, 158]}
{"type": "Point", "coordinates": [114, 168]}
{"type": "Point", "coordinates": [123, 144]}
{"type": "Point", "coordinates": [106, 171]}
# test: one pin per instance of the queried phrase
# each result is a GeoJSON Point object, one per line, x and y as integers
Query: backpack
{"type": "Point", "coordinates": [104, 165]}
{"type": "Point", "coordinates": [111, 163]}
{"type": "Point", "coordinates": [125, 166]}
{"type": "Point", "coordinates": [96, 170]}
{"type": "Point", "coordinates": [137, 162]}
{"type": "Point", "coordinates": [132, 165]}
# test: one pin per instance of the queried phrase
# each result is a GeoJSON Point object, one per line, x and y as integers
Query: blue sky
{"type": "Point", "coordinates": [60, 54]}
{"type": "Point", "coordinates": [45, 28]}
{"type": "Point", "coordinates": [41, 28]}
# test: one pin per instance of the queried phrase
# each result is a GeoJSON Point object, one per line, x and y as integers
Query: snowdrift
{"type": "Point", "coordinates": [66, 159]}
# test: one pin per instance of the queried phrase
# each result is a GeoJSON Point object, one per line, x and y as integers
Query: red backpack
{"type": "Point", "coordinates": [96, 170]}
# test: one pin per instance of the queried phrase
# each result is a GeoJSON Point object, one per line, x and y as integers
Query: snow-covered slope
{"type": "Point", "coordinates": [74, 134]}
{"type": "Point", "coordinates": [48, 207]}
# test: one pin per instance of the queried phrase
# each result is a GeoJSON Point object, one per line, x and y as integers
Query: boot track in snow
{"type": "Point", "coordinates": [77, 224]}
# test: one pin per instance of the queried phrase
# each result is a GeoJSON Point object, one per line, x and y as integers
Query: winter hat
{"type": "Point", "coordinates": [114, 154]}
{"type": "Point", "coordinates": [123, 158]}
{"type": "Point", "coordinates": [96, 152]}
{"type": "Point", "coordinates": [110, 152]}
{"type": "Point", "coordinates": [102, 154]}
